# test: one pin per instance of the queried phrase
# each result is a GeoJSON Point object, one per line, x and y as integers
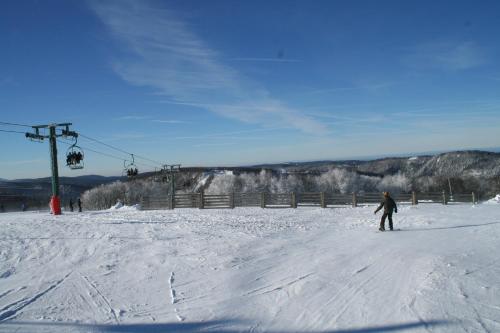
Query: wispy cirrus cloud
{"type": "Point", "coordinates": [219, 144]}
{"type": "Point", "coordinates": [230, 134]}
{"type": "Point", "coordinates": [133, 118]}
{"type": "Point", "coordinates": [447, 55]}
{"type": "Point", "coordinates": [365, 86]}
{"type": "Point", "coordinates": [267, 59]}
{"type": "Point", "coordinates": [150, 119]}
{"type": "Point", "coordinates": [167, 55]}
{"type": "Point", "coordinates": [170, 121]}
{"type": "Point", "coordinates": [127, 136]}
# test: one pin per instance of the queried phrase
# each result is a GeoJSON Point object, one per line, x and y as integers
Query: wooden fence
{"type": "Point", "coordinates": [294, 200]}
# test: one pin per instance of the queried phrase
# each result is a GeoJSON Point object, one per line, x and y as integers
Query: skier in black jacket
{"type": "Point", "coordinates": [389, 206]}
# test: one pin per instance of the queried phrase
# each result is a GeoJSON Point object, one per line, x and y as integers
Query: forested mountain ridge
{"type": "Point", "coordinates": [458, 172]}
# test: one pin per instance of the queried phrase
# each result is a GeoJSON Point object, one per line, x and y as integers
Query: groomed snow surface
{"type": "Point", "coordinates": [252, 270]}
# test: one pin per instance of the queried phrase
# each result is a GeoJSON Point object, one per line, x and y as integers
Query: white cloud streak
{"type": "Point", "coordinates": [132, 118]}
{"type": "Point", "coordinates": [168, 56]}
{"type": "Point", "coordinates": [170, 121]}
{"type": "Point", "coordinates": [267, 60]}
{"type": "Point", "coordinates": [230, 134]}
{"type": "Point", "coordinates": [447, 56]}
{"type": "Point", "coordinates": [369, 87]}
{"type": "Point", "coordinates": [222, 144]}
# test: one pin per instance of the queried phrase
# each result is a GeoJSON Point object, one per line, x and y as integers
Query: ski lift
{"type": "Point", "coordinates": [158, 175]}
{"type": "Point", "coordinates": [129, 168]}
{"type": "Point", "coordinates": [74, 156]}
{"type": "Point", "coordinates": [167, 172]}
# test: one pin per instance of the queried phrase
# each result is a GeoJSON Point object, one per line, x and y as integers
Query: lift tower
{"type": "Point", "coordinates": [55, 202]}
{"type": "Point", "coordinates": [168, 171]}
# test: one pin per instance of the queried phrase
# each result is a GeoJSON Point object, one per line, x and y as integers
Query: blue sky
{"type": "Point", "coordinates": [246, 82]}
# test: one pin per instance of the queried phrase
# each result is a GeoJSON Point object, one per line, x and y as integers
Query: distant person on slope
{"type": "Point", "coordinates": [389, 206]}
{"type": "Point", "coordinates": [79, 202]}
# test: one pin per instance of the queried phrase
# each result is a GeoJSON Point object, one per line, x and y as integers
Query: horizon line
{"type": "Point", "coordinates": [257, 165]}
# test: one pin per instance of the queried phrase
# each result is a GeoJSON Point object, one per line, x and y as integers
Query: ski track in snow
{"type": "Point", "coordinates": [12, 309]}
{"type": "Point", "coordinates": [6, 293]}
{"type": "Point", "coordinates": [172, 290]}
{"type": "Point", "coordinates": [274, 287]}
{"type": "Point", "coordinates": [173, 299]}
{"type": "Point", "coordinates": [104, 302]}
{"type": "Point", "coordinates": [305, 269]}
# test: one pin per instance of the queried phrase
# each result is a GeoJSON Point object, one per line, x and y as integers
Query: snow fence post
{"type": "Point", "coordinates": [202, 200]}
{"type": "Point", "coordinates": [473, 198]}
{"type": "Point", "coordinates": [354, 199]}
{"type": "Point", "coordinates": [262, 200]}
{"type": "Point", "coordinates": [231, 200]}
{"type": "Point", "coordinates": [170, 200]}
{"type": "Point", "coordinates": [444, 198]}
{"type": "Point", "coordinates": [293, 200]}
{"type": "Point", "coordinates": [414, 200]}
{"type": "Point", "coordinates": [322, 199]}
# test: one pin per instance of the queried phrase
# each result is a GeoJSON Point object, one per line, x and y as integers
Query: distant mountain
{"type": "Point", "coordinates": [451, 164]}
{"type": "Point", "coordinates": [465, 171]}
{"type": "Point", "coordinates": [36, 191]}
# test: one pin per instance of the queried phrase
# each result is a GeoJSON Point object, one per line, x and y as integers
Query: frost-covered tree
{"type": "Point", "coordinates": [225, 183]}
{"type": "Point", "coordinates": [129, 193]}
{"type": "Point", "coordinates": [394, 183]}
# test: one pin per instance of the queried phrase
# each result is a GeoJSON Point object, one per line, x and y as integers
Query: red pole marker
{"type": "Point", "coordinates": [55, 205]}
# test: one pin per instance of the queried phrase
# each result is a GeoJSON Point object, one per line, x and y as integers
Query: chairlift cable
{"type": "Point", "coordinates": [105, 144]}
{"type": "Point", "coordinates": [147, 159]}
{"type": "Point", "coordinates": [85, 136]}
{"type": "Point", "coordinates": [120, 150]}
{"type": "Point", "coordinates": [14, 124]}
{"type": "Point", "coordinates": [94, 151]}
{"type": "Point", "coordinates": [146, 165]}
{"type": "Point", "coordinates": [9, 131]}
{"type": "Point", "coordinates": [106, 154]}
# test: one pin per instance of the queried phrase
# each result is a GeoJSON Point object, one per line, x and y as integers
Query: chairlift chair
{"type": "Point", "coordinates": [129, 168]}
{"type": "Point", "coordinates": [74, 157]}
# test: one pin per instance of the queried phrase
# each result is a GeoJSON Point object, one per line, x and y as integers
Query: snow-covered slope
{"type": "Point", "coordinates": [462, 163]}
{"type": "Point", "coordinates": [251, 270]}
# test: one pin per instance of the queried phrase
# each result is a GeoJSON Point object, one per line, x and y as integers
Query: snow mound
{"type": "Point", "coordinates": [494, 200]}
{"type": "Point", "coordinates": [120, 206]}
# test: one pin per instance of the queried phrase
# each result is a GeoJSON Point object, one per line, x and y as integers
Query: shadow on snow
{"type": "Point", "coordinates": [452, 227]}
{"type": "Point", "coordinates": [207, 326]}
